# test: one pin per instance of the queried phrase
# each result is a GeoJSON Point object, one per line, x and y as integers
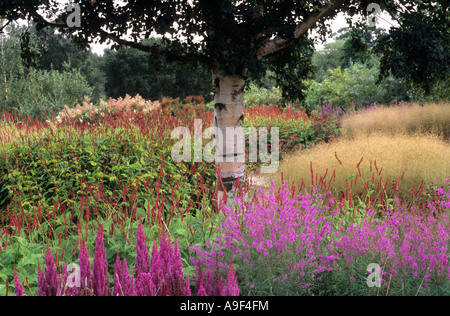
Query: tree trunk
{"type": "Point", "coordinates": [229, 138]}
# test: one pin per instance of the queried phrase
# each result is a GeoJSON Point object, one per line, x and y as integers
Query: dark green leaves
{"type": "Point", "coordinates": [419, 50]}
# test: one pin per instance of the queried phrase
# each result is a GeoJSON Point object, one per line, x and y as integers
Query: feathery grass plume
{"type": "Point", "coordinates": [392, 164]}
{"type": "Point", "coordinates": [432, 118]}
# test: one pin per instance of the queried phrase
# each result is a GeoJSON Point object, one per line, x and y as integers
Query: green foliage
{"type": "Point", "coordinates": [256, 96]}
{"type": "Point", "coordinates": [130, 71]}
{"type": "Point", "coordinates": [116, 161]}
{"type": "Point", "coordinates": [296, 129]}
{"type": "Point", "coordinates": [356, 84]}
{"type": "Point", "coordinates": [328, 58]}
{"type": "Point", "coordinates": [419, 50]}
{"type": "Point", "coordinates": [291, 66]}
{"type": "Point", "coordinates": [37, 75]}
{"type": "Point", "coordinates": [57, 50]}
{"type": "Point", "coordinates": [37, 91]}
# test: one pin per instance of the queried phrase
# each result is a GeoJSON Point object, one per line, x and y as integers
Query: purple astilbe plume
{"type": "Point", "coordinates": [118, 278]}
{"type": "Point", "coordinates": [123, 281]}
{"type": "Point", "coordinates": [100, 271]}
{"type": "Point", "coordinates": [86, 282]}
{"type": "Point", "coordinates": [65, 289]}
{"type": "Point", "coordinates": [48, 281]}
{"type": "Point", "coordinates": [219, 288]}
{"type": "Point", "coordinates": [18, 288]}
{"type": "Point", "coordinates": [167, 269]}
{"type": "Point", "coordinates": [214, 285]}
{"type": "Point", "coordinates": [187, 288]}
{"type": "Point", "coordinates": [158, 271]}
{"type": "Point", "coordinates": [41, 282]}
{"type": "Point", "coordinates": [166, 276]}
{"type": "Point", "coordinates": [199, 280]}
{"type": "Point", "coordinates": [232, 285]}
{"type": "Point", "coordinates": [175, 275]}
{"type": "Point", "coordinates": [201, 291]}
{"type": "Point", "coordinates": [209, 283]}
{"type": "Point", "coordinates": [145, 286]}
{"type": "Point", "coordinates": [142, 256]}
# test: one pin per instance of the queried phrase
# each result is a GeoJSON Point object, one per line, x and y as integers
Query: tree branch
{"type": "Point", "coordinates": [4, 26]}
{"type": "Point", "coordinates": [272, 45]}
{"type": "Point", "coordinates": [154, 50]}
{"type": "Point", "coordinates": [117, 39]}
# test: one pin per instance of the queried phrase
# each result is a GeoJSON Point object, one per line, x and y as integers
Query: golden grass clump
{"type": "Point", "coordinates": [432, 118]}
{"type": "Point", "coordinates": [368, 162]}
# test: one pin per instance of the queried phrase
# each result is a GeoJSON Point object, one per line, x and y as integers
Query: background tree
{"type": "Point", "coordinates": [56, 50]}
{"type": "Point", "coordinates": [30, 88]}
{"type": "Point", "coordinates": [131, 71]}
{"type": "Point", "coordinates": [418, 50]}
{"type": "Point", "coordinates": [236, 38]}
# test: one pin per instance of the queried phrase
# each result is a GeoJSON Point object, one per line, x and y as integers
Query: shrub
{"type": "Point", "coordinates": [357, 84]}
{"type": "Point", "coordinates": [191, 107]}
{"type": "Point", "coordinates": [117, 168]}
{"type": "Point", "coordinates": [433, 118]}
{"type": "Point", "coordinates": [382, 165]}
{"type": "Point", "coordinates": [296, 129]}
{"type": "Point", "coordinates": [41, 93]}
{"type": "Point", "coordinates": [257, 96]}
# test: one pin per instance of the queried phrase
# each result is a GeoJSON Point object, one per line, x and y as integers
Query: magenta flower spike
{"type": "Point", "coordinates": [209, 283]}
{"type": "Point", "coordinates": [124, 284]}
{"type": "Point", "coordinates": [178, 264]}
{"type": "Point", "coordinates": [18, 288]}
{"type": "Point", "coordinates": [219, 287]}
{"type": "Point", "coordinates": [187, 288]}
{"type": "Point", "coordinates": [145, 285]}
{"type": "Point", "coordinates": [118, 280]}
{"type": "Point", "coordinates": [232, 285]}
{"type": "Point", "coordinates": [66, 290]}
{"type": "Point", "coordinates": [157, 271]}
{"type": "Point", "coordinates": [49, 280]}
{"type": "Point", "coordinates": [100, 272]}
{"type": "Point", "coordinates": [86, 281]}
{"type": "Point", "coordinates": [42, 288]}
{"type": "Point", "coordinates": [175, 272]}
{"type": "Point", "coordinates": [201, 291]}
{"type": "Point", "coordinates": [142, 256]}
{"type": "Point", "coordinates": [165, 252]}
{"type": "Point", "coordinates": [199, 280]}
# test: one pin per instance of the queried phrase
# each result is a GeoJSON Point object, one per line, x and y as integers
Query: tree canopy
{"type": "Point", "coordinates": [236, 35]}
